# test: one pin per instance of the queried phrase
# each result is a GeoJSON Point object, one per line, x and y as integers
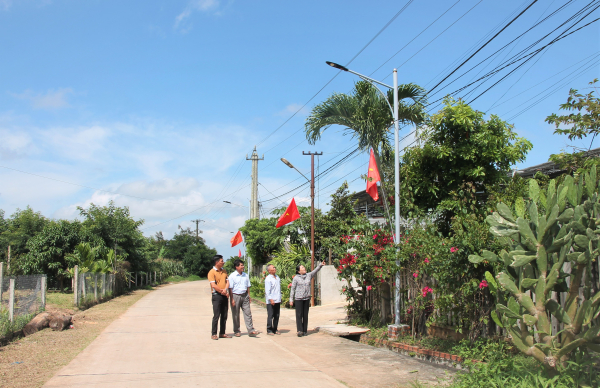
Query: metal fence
{"type": "Point", "coordinates": [22, 295]}
{"type": "Point", "coordinates": [90, 287]}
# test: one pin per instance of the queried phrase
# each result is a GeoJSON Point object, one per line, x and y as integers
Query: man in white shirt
{"type": "Point", "coordinates": [239, 287]}
{"type": "Point", "coordinates": [273, 297]}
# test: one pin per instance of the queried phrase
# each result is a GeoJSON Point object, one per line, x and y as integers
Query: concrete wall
{"type": "Point", "coordinates": [331, 286]}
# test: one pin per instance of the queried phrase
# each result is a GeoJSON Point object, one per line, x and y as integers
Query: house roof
{"type": "Point", "coordinates": [550, 168]}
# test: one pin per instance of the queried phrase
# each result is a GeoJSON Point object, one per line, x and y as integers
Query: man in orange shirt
{"type": "Point", "coordinates": [219, 286]}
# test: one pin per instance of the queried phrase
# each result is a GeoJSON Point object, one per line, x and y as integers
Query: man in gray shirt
{"type": "Point", "coordinates": [239, 287]}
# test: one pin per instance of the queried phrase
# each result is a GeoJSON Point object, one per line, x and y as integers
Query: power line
{"type": "Point", "coordinates": [486, 43]}
{"type": "Point", "coordinates": [332, 78]}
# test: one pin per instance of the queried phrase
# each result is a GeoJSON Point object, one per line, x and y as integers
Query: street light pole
{"type": "Point", "coordinates": [396, 199]}
{"type": "Point", "coordinates": [312, 221]}
{"type": "Point", "coordinates": [312, 214]}
{"type": "Point", "coordinates": [396, 170]}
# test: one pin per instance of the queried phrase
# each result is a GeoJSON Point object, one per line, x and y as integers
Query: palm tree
{"type": "Point", "coordinates": [365, 113]}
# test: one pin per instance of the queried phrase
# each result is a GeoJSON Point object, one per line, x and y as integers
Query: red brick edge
{"type": "Point", "coordinates": [428, 353]}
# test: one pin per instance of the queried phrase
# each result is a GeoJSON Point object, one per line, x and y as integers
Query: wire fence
{"type": "Point", "coordinates": [21, 298]}
{"type": "Point", "coordinates": [93, 287]}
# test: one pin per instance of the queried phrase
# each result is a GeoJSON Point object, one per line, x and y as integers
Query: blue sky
{"type": "Point", "coordinates": [155, 104]}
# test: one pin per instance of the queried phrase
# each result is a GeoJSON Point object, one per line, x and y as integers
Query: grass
{"type": "Point", "coordinates": [502, 365]}
{"type": "Point", "coordinates": [179, 279]}
{"type": "Point", "coordinates": [60, 300]}
{"type": "Point", "coordinates": [7, 327]}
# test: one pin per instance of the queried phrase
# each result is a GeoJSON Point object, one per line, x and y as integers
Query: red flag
{"type": "Point", "coordinates": [373, 178]}
{"type": "Point", "coordinates": [239, 253]}
{"type": "Point", "coordinates": [291, 214]}
{"type": "Point", "coordinates": [235, 240]}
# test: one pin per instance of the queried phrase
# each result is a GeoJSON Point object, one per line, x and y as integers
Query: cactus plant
{"type": "Point", "coordinates": [542, 241]}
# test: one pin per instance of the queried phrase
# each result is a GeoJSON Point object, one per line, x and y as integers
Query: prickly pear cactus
{"type": "Point", "coordinates": [564, 229]}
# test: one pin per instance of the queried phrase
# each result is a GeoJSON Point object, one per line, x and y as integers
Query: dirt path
{"type": "Point", "coordinates": [33, 360]}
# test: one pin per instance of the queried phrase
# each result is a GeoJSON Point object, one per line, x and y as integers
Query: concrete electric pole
{"type": "Point", "coordinates": [254, 212]}
{"type": "Point", "coordinates": [197, 231]}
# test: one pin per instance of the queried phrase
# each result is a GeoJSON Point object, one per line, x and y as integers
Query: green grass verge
{"type": "Point", "coordinates": [179, 279]}
{"type": "Point", "coordinates": [61, 300]}
{"type": "Point", "coordinates": [7, 327]}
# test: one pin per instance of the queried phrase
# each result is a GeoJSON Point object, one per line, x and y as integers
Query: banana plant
{"type": "Point", "coordinates": [564, 229]}
{"type": "Point", "coordinates": [94, 259]}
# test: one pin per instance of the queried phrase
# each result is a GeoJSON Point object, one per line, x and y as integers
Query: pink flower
{"type": "Point", "coordinates": [426, 261]}
{"type": "Point", "coordinates": [453, 249]}
{"type": "Point", "coordinates": [415, 275]}
{"type": "Point", "coordinates": [426, 290]}
{"type": "Point", "coordinates": [483, 284]}
{"type": "Point", "coordinates": [369, 288]}
{"type": "Point", "coordinates": [375, 237]}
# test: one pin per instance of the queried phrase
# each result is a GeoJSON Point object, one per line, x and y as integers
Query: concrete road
{"type": "Point", "coordinates": [164, 341]}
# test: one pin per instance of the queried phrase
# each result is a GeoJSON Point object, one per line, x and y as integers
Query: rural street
{"type": "Point", "coordinates": [164, 341]}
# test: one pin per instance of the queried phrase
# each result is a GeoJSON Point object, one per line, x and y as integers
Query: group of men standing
{"type": "Point", "coordinates": [235, 290]}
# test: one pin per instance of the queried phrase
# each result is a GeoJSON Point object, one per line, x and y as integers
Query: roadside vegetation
{"type": "Point", "coordinates": [508, 263]}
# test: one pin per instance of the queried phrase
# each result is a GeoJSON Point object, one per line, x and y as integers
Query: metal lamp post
{"type": "Point", "coordinates": [312, 215]}
{"type": "Point", "coordinates": [396, 168]}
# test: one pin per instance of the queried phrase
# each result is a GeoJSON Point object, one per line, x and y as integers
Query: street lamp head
{"type": "Point", "coordinates": [339, 67]}
{"type": "Point", "coordinates": [227, 202]}
{"type": "Point", "coordinates": [285, 161]}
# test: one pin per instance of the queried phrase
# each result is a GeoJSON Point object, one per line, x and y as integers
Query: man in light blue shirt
{"type": "Point", "coordinates": [273, 297]}
{"type": "Point", "coordinates": [239, 288]}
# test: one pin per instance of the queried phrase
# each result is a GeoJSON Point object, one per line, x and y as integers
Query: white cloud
{"type": "Point", "coordinates": [79, 143]}
{"type": "Point", "coordinates": [293, 108]}
{"type": "Point", "coordinates": [194, 5]}
{"type": "Point", "coordinates": [52, 99]}
{"type": "Point", "coordinates": [14, 144]}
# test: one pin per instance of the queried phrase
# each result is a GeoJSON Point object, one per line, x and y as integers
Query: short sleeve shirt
{"type": "Point", "coordinates": [219, 277]}
{"type": "Point", "coordinates": [239, 284]}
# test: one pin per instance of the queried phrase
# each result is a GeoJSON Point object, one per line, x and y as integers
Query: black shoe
{"type": "Point", "coordinates": [300, 334]}
{"type": "Point", "coordinates": [306, 333]}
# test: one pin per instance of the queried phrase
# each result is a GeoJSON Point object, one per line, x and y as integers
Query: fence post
{"type": "Point", "coordinates": [147, 282]}
{"type": "Point", "coordinates": [76, 285]}
{"type": "Point", "coordinates": [155, 277]}
{"type": "Point", "coordinates": [96, 286]}
{"type": "Point", "coordinates": [136, 279]}
{"type": "Point", "coordinates": [11, 300]}
{"type": "Point", "coordinates": [129, 279]}
{"type": "Point", "coordinates": [82, 285]}
{"type": "Point", "coordinates": [1, 279]}
{"type": "Point", "coordinates": [330, 251]}
{"type": "Point", "coordinates": [103, 285]}
{"type": "Point", "coordinates": [43, 287]}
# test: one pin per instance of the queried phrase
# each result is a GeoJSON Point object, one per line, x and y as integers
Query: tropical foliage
{"type": "Point", "coordinates": [107, 240]}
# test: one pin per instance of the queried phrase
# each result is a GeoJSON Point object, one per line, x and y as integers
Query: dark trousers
{"type": "Point", "coordinates": [273, 317]}
{"type": "Point", "coordinates": [302, 314]}
{"type": "Point", "coordinates": [220, 308]}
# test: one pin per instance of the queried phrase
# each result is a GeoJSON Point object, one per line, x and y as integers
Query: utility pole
{"type": "Point", "coordinates": [312, 221]}
{"type": "Point", "coordinates": [197, 222]}
{"type": "Point", "coordinates": [254, 212]}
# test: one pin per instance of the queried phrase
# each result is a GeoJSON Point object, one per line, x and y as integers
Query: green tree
{"type": "Point", "coordinates": [48, 251]}
{"type": "Point", "coordinates": [366, 114]}
{"type": "Point", "coordinates": [367, 117]}
{"type": "Point", "coordinates": [119, 231]}
{"type": "Point", "coordinates": [584, 121]}
{"type": "Point", "coordinates": [458, 146]}
{"type": "Point", "coordinates": [17, 230]}
{"type": "Point", "coordinates": [191, 251]}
